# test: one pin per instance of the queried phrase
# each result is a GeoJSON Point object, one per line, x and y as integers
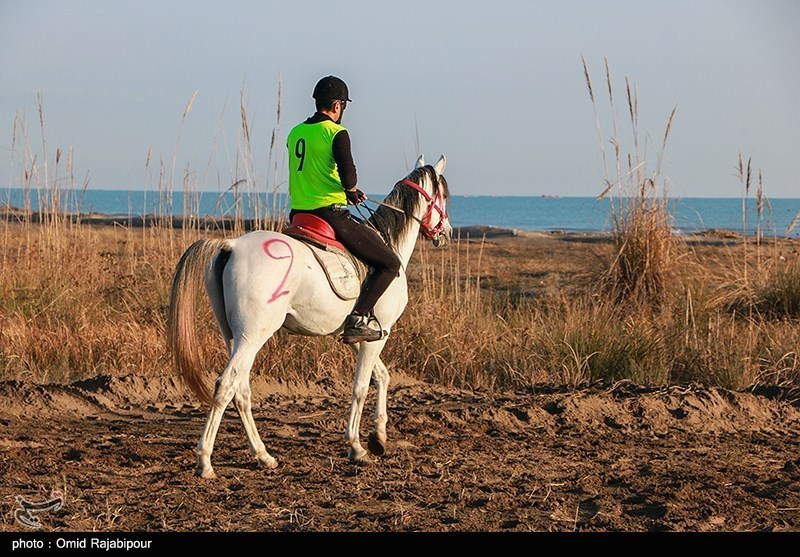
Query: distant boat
{"type": "Point", "coordinates": [551, 196]}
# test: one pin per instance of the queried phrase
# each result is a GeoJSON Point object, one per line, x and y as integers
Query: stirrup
{"type": "Point", "coordinates": [357, 329]}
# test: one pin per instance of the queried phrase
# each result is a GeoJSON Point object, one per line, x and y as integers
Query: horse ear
{"type": "Point", "coordinates": [420, 162]}
{"type": "Point", "coordinates": [440, 165]}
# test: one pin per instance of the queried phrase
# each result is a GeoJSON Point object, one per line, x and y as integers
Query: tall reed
{"type": "Point", "coordinates": [641, 268]}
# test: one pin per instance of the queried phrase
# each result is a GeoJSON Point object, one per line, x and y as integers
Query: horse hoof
{"type": "Point", "coordinates": [206, 473]}
{"type": "Point", "coordinates": [267, 461]}
{"type": "Point", "coordinates": [358, 456]}
{"type": "Point", "coordinates": [376, 444]}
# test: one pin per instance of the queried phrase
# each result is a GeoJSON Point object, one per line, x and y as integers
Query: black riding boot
{"type": "Point", "coordinates": [358, 328]}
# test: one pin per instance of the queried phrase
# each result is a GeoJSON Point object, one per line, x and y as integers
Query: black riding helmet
{"type": "Point", "coordinates": [331, 88]}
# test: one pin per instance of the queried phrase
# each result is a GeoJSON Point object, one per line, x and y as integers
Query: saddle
{"type": "Point", "coordinates": [343, 270]}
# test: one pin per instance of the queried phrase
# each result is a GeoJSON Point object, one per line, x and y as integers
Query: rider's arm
{"type": "Point", "coordinates": [344, 160]}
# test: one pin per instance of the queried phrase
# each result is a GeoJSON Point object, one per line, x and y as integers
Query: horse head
{"type": "Point", "coordinates": [421, 198]}
{"type": "Point", "coordinates": [434, 220]}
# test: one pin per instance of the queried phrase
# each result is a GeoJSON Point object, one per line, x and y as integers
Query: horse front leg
{"type": "Point", "coordinates": [377, 440]}
{"type": "Point", "coordinates": [366, 359]}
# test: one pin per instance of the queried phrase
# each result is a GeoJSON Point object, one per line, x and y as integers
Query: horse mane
{"type": "Point", "coordinates": [392, 223]}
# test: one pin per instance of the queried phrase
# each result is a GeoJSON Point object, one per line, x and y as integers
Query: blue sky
{"type": "Point", "coordinates": [497, 87]}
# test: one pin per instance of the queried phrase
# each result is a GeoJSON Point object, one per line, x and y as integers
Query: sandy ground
{"type": "Point", "coordinates": [601, 458]}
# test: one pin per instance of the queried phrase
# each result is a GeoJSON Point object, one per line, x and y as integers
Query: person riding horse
{"type": "Point", "coordinates": [322, 181]}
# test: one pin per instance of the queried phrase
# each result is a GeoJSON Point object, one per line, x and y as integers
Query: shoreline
{"type": "Point", "coordinates": [468, 232]}
{"type": "Point", "coordinates": [10, 213]}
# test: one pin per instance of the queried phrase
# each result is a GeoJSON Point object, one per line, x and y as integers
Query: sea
{"type": "Point", "coordinates": [778, 217]}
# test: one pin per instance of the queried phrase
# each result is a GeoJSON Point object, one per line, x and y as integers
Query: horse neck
{"type": "Point", "coordinates": [407, 241]}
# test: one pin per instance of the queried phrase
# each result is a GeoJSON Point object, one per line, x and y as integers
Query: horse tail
{"type": "Point", "coordinates": [187, 283]}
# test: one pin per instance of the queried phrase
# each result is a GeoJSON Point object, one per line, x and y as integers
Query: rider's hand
{"type": "Point", "coordinates": [355, 196]}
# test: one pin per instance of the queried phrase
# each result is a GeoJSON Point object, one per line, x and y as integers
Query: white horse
{"type": "Point", "coordinates": [264, 280]}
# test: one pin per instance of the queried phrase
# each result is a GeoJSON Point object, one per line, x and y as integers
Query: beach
{"type": "Point", "coordinates": [468, 452]}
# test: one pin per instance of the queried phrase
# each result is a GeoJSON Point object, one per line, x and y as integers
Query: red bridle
{"type": "Point", "coordinates": [436, 202]}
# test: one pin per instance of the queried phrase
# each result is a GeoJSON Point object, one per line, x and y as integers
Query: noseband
{"type": "Point", "coordinates": [434, 203]}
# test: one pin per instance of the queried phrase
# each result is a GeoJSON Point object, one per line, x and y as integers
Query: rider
{"type": "Point", "coordinates": [322, 181]}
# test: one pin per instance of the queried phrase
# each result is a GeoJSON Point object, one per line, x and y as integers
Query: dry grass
{"type": "Point", "coordinates": [641, 269]}
{"type": "Point", "coordinates": [79, 300]}
{"type": "Point", "coordinates": [103, 309]}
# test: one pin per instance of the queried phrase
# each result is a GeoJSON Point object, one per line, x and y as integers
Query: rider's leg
{"type": "Point", "coordinates": [368, 246]}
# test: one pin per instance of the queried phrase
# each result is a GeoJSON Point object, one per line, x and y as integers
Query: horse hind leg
{"type": "Point", "coordinates": [227, 385]}
{"type": "Point", "coordinates": [242, 401]}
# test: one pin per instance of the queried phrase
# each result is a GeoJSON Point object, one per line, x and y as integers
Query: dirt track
{"type": "Point", "coordinates": [596, 459]}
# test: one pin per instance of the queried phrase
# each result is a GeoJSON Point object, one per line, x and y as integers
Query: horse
{"type": "Point", "coordinates": [264, 280]}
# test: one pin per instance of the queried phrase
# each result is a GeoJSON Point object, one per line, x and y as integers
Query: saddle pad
{"type": "Point", "coordinates": [345, 273]}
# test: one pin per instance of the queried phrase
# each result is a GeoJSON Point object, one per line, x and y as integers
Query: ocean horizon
{"type": "Point", "coordinates": [529, 213]}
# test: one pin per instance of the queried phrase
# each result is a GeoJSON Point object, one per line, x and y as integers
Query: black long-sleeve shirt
{"type": "Point", "coordinates": [342, 153]}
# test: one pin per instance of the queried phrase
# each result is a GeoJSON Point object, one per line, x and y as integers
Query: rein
{"type": "Point", "coordinates": [436, 202]}
{"type": "Point", "coordinates": [372, 213]}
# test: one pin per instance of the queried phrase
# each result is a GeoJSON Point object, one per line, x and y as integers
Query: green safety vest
{"type": "Point", "coordinates": [313, 177]}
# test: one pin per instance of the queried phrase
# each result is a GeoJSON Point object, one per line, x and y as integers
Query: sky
{"type": "Point", "coordinates": [497, 87]}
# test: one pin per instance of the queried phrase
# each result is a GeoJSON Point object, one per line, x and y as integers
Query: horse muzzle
{"type": "Point", "coordinates": [441, 239]}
